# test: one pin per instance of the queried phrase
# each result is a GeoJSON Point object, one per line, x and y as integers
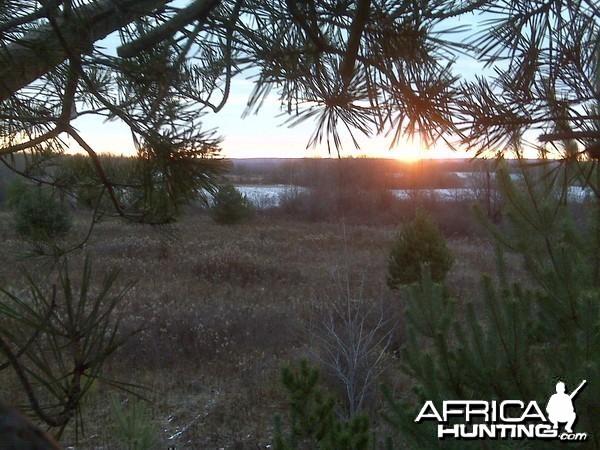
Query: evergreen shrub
{"type": "Point", "coordinates": [419, 243]}
{"type": "Point", "coordinates": [230, 206]}
{"type": "Point", "coordinates": [314, 422]}
{"type": "Point", "coordinates": [133, 427]}
{"type": "Point", "coordinates": [37, 215]}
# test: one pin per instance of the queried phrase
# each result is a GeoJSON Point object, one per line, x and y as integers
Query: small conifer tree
{"type": "Point", "coordinates": [230, 206]}
{"type": "Point", "coordinates": [37, 215]}
{"type": "Point", "coordinates": [314, 422]}
{"type": "Point", "coordinates": [419, 243]}
{"type": "Point", "coordinates": [133, 426]}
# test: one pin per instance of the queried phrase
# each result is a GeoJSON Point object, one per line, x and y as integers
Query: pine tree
{"type": "Point", "coordinates": [522, 338]}
{"type": "Point", "coordinates": [230, 206]}
{"type": "Point", "coordinates": [419, 243]}
{"type": "Point", "coordinates": [314, 422]}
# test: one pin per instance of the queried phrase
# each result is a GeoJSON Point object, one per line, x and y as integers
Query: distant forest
{"type": "Point", "coordinates": [363, 173]}
{"type": "Point", "coordinates": [344, 174]}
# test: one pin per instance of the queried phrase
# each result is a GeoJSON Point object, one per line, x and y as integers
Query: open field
{"type": "Point", "coordinates": [222, 308]}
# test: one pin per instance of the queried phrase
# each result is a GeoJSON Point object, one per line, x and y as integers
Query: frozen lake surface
{"type": "Point", "coordinates": [270, 196]}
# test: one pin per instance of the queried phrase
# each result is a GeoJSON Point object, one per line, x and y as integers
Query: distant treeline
{"type": "Point", "coordinates": [341, 174]}
{"type": "Point", "coordinates": [59, 171]}
{"type": "Point", "coordinates": [363, 173]}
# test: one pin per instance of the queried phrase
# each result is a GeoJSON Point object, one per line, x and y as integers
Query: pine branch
{"type": "Point", "coordinates": [99, 170]}
{"type": "Point", "coordinates": [34, 336]}
{"type": "Point", "coordinates": [28, 388]}
{"type": "Point", "coordinates": [564, 136]}
{"type": "Point", "coordinates": [29, 18]}
{"type": "Point", "coordinates": [39, 51]}
{"type": "Point", "coordinates": [358, 25]}
{"type": "Point", "coordinates": [197, 11]}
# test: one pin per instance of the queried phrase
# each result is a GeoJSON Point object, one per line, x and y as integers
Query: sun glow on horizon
{"type": "Point", "coordinates": [266, 136]}
{"type": "Point", "coordinates": [234, 147]}
{"type": "Point", "coordinates": [411, 149]}
{"type": "Point", "coordinates": [254, 137]}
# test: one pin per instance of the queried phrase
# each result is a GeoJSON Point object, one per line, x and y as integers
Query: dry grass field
{"type": "Point", "coordinates": [221, 309]}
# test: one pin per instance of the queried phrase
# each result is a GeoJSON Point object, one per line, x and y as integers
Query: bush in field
{"type": "Point", "coordinates": [36, 214]}
{"type": "Point", "coordinates": [419, 243]}
{"type": "Point", "coordinates": [230, 206]}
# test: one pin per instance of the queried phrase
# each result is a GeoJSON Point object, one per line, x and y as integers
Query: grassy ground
{"type": "Point", "coordinates": [222, 309]}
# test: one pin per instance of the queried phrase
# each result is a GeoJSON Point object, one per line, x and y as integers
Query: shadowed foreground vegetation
{"type": "Point", "coordinates": [222, 308]}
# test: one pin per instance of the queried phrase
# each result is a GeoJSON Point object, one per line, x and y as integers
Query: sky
{"type": "Point", "coordinates": [261, 135]}
{"type": "Point", "coordinates": [264, 135]}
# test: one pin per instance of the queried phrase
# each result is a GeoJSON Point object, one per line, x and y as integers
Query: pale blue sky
{"type": "Point", "coordinates": [264, 134]}
{"type": "Point", "coordinates": [259, 135]}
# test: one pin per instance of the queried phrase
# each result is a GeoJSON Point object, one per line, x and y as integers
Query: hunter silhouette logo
{"type": "Point", "coordinates": [560, 407]}
{"type": "Point", "coordinates": [505, 419]}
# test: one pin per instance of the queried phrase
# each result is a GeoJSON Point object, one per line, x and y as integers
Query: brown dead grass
{"type": "Point", "coordinates": [222, 309]}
